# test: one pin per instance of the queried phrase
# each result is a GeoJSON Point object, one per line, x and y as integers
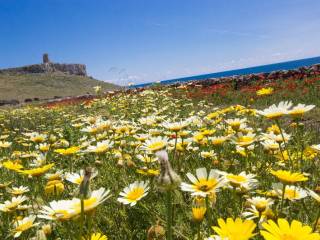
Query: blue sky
{"type": "Point", "coordinates": [140, 41]}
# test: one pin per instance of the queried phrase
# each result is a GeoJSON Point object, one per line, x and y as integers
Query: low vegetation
{"type": "Point", "coordinates": [165, 163]}
{"type": "Point", "coordinates": [44, 86]}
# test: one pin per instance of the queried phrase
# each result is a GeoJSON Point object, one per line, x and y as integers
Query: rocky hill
{"type": "Point", "coordinates": [19, 88]}
{"type": "Point", "coordinates": [48, 67]}
{"type": "Point", "coordinates": [47, 81]}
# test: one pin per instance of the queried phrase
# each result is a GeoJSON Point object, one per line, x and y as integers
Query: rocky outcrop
{"type": "Point", "coordinates": [49, 67]}
{"type": "Point", "coordinates": [72, 69]}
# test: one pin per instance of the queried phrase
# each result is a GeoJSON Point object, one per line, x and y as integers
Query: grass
{"type": "Point", "coordinates": [23, 86]}
{"type": "Point", "coordinates": [123, 123]}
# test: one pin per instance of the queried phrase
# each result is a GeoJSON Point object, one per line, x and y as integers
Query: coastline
{"type": "Point", "coordinates": [235, 73]}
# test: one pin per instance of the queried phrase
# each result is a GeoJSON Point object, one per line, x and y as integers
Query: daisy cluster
{"type": "Point", "coordinates": [156, 165]}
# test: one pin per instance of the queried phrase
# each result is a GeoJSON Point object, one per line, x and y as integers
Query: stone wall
{"type": "Point", "coordinates": [243, 80]}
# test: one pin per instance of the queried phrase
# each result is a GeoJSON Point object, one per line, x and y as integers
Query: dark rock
{"type": "Point", "coordinates": [316, 67]}
{"type": "Point", "coordinates": [9, 102]}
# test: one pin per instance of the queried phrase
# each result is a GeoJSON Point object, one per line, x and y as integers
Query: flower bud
{"type": "Point", "coordinates": [120, 162]}
{"type": "Point", "coordinates": [54, 187]}
{"type": "Point", "coordinates": [85, 184]}
{"type": "Point", "coordinates": [198, 209]}
{"type": "Point", "coordinates": [168, 178]}
{"type": "Point", "coordinates": [40, 235]}
{"type": "Point", "coordinates": [47, 229]}
{"type": "Point", "coordinates": [156, 232]}
{"type": "Point", "coordinates": [98, 163]}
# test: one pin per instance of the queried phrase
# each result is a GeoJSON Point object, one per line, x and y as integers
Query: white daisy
{"type": "Point", "coordinates": [133, 193]}
{"type": "Point", "coordinates": [155, 144]}
{"type": "Point", "coordinates": [9, 206]}
{"type": "Point", "coordinates": [23, 225]}
{"type": "Point", "coordinates": [19, 190]}
{"type": "Point", "coordinates": [274, 111]}
{"type": "Point", "coordinates": [241, 180]}
{"type": "Point", "coordinates": [300, 109]}
{"type": "Point", "coordinates": [101, 147]}
{"type": "Point", "coordinates": [203, 184]}
{"type": "Point", "coordinates": [77, 178]}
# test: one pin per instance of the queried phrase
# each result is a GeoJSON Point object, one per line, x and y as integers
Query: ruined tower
{"type": "Point", "coordinates": [45, 58]}
{"type": "Point", "coordinates": [49, 67]}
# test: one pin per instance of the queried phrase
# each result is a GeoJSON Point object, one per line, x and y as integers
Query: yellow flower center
{"type": "Point", "coordinates": [101, 149]}
{"type": "Point", "coordinates": [205, 185]}
{"type": "Point", "coordinates": [44, 148]}
{"type": "Point", "coordinates": [24, 226]}
{"type": "Point", "coordinates": [198, 137]}
{"type": "Point", "coordinates": [297, 112]}
{"type": "Point", "coordinates": [175, 128]}
{"type": "Point", "coordinates": [135, 194]}
{"type": "Point", "coordinates": [274, 115]}
{"type": "Point", "coordinates": [89, 202]}
{"type": "Point", "coordinates": [156, 146]}
{"type": "Point", "coordinates": [38, 139]}
{"type": "Point", "coordinates": [235, 125]}
{"type": "Point", "coordinates": [12, 205]}
{"type": "Point", "coordinates": [236, 178]}
{"type": "Point", "coordinates": [62, 214]}
{"type": "Point", "coordinates": [261, 205]}
{"type": "Point", "coordinates": [245, 139]}
{"type": "Point", "coordinates": [79, 180]}
{"type": "Point", "coordinates": [218, 141]}
{"type": "Point", "coordinates": [291, 194]}
{"type": "Point", "coordinates": [17, 192]}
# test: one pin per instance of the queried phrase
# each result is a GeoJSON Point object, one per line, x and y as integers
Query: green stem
{"type": "Point", "coordinates": [89, 220]}
{"type": "Point", "coordinates": [81, 218]}
{"type": "Point", "coordinates": [285, 144]}
{"type": "Point", "coordinates": [175, 153]}
{"type": "Point", "coordinates": [208, 213]}
{"type": "Point", "coordinates": [169, 215]}
{"type": "Point", "coordinates": [281, 151]}
{"type": "Point", "coordinates": [198, 231]}
{"type": "Point", "coordinates": [247, 159]}
{"type": "Point", "coordinates": [316, 222]}
{"type": "Point", "coordinates": [163, 221]}
{"type": "Point", "coordinates": [282, 197]}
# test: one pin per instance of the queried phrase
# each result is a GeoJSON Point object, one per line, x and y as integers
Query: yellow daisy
{"type": "Point", "coordinates": [97, 236]}
{"type": "Point", "coordinates": [288, 177]}
{"type": "Point", "coordinates": [237, 229]}
{"type": "Point", "coordinates": [285, 231]}
{"type": "Point", "coordinates": [265, 91]}
{"type": "Point", "coordinates": [36, 172]}
{"type": "Point", "coordinates": [67, 151]}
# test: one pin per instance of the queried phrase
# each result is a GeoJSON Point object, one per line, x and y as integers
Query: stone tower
{"type": "Point", "coordinates": [45, 58]}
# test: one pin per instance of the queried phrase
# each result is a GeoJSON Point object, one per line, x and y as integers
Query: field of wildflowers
{"type": "Point", "coordinates": [165, 163]}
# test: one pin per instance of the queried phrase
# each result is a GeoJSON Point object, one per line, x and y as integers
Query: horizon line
{"type": "Point", "coordinates": [219, 72]}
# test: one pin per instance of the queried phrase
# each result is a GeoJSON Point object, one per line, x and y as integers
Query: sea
{"type": "Point", "coordinates": [244, 71]}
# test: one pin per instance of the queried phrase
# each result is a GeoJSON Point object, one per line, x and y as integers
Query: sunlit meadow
{"type": "Point", "coordinates": [165, 163]}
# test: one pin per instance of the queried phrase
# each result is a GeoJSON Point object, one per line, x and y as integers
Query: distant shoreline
{"type": "Point", "coordinates": [289, 65]}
